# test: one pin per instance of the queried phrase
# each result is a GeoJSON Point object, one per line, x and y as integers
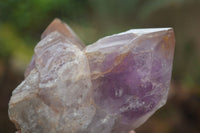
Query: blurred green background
{"type": "Point", "coordinates": [23, 21]}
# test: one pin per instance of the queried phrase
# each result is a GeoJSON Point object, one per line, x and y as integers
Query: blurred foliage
{"type": "Point", "coordinates": [23, 21]}
{"type": "Point", "coordinates": [13, 45]}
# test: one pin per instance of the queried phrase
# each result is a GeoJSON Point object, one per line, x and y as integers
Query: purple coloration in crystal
{"type": "Point", "coordinates": [137, 75]}
{"type": "Point", "coordinates": [111, 86]}
{"type": "Point", "coordinates": [124, 89]}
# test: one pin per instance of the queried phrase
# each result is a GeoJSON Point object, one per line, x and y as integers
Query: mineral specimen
{"type": "Point", "coordinates": [111, 86]}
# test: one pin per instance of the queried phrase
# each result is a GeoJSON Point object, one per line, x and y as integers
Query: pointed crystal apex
{"type": "Point", "coordinates": [131, 73]}
{"type": "Point", "coordinates": [64, 29]}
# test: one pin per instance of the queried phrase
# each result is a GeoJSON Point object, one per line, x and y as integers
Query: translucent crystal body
{"type": "Point", "coordinates": [111, 86]}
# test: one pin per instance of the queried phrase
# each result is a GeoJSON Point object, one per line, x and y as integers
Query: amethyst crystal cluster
{"type": "Point", "coordinates": [111, 86]}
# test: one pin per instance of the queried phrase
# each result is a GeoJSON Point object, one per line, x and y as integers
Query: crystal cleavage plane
{"type": "Point", "coordinates": [111, 86]}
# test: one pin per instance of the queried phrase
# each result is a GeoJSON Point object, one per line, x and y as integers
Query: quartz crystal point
{"type": "Point", "coordinates": [111, 86]}
{"type": "Point", "coordinates": [55, 97]}
{"type": "Point", "coordinates": [131, 74]}
{"type": "Point", "coordinates": [63, 29]}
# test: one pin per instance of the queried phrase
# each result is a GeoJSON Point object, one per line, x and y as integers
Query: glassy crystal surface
{"type": "Point", "coordinates": [131, 74]}
{"type": "Point", "coordinates": [111, 86]}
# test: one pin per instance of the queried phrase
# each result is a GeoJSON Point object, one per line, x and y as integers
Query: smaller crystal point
{"type": "Point", "coordinates": [63, 28]}
{"type": "Point", "coordinates": [55, 96]}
